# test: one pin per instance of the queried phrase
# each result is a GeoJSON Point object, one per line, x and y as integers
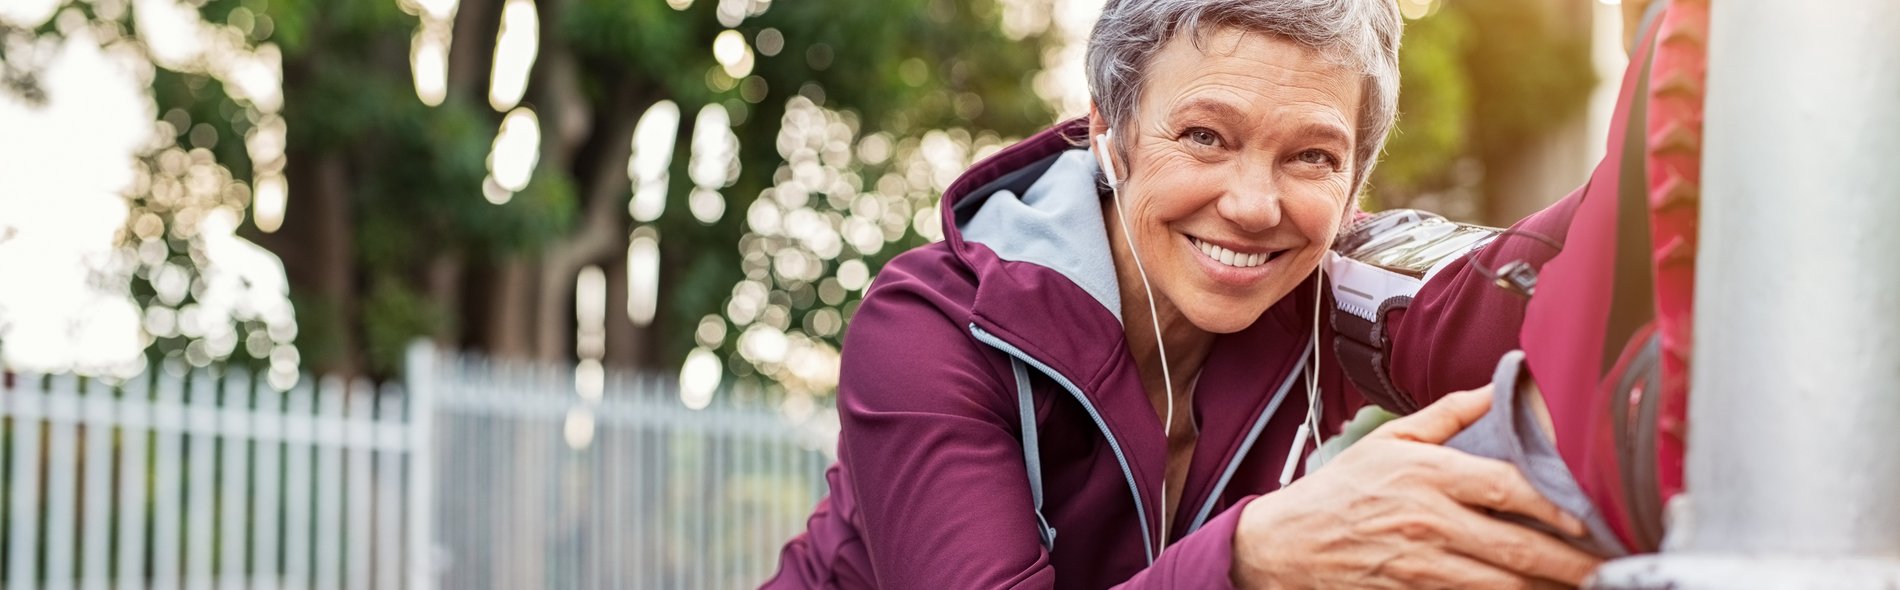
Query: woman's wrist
{"type": "Point", "coordinates": [1252, 568]}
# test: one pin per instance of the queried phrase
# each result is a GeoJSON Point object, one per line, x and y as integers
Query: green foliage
{"type": "Point", "coordinates": [416, 170]}
{"type": "Point", "coordinates": [545, 209]}
{"type": "Point", "coordinates": [1481, 78]}
{"type": "Point", "coordinates": [646, 39]}
{"type": "Point", "coordinates": [393, 316]}
{"type": "Point", "coordinates": [320, 326]}
{"type": "Point", "coordinates": [202, 101]}
{"type": "Point", "coordinates": [908, 73]}
{"type": "Point", "coordinates": [900, 66]}
{"type": "Point", "coordinates": [1528, 72]}
{"type": "Point", "coordinates": [1434, 107]}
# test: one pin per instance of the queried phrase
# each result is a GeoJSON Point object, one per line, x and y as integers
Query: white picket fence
{"type": "Point", "coordinates": [479, 476]}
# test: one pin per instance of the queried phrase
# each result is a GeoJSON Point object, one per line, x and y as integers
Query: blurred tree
{"type": "Point", "coordinates": [790, 149]}
{"type": "Point", "coordinates": [1434, 111]}
{"type": "Point", "coordinates": [1483, 79]}
{"type": "Point", "coordinates": [387, 236]}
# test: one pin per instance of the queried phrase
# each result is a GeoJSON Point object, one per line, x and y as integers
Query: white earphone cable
{"type": "Point", "coordinates": [1154, 317]}
{"type": "Point", "coordinates": [1309, 425]}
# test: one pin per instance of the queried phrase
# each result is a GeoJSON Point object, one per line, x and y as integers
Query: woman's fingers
{"type": "Point", "coordinates": [1471, 480]}
{"type": "Point", "coordinates": [1496, 485]}
{"type": "Point", "coordinates": [1437, 423]}
{"type": "Point", "coordinates": [1451, 571]}
{"type": "Point", "coordinates": [1519, 549]}
{"type": "Point", "coordinates": [1397, 509]}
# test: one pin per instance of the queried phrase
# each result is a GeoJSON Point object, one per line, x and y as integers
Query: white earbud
{"type": "Point", "coordinates": [1101, 155]}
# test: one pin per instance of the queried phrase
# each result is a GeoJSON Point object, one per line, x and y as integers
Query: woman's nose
{"type": "Point", "coordinates": [1252, 203]}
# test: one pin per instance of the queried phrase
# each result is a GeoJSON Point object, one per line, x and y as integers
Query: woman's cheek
{"type": "Point", "coordinates": [1317, 219]}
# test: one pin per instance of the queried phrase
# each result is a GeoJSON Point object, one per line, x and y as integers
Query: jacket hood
{"type": "Point", "coordinates": [1028, 223]}
{"type": "Point", "coordinates": [1055, 222]}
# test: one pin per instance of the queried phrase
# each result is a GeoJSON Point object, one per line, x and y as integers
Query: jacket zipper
{"type": "Point", "coordinates": [1141, 512]}
{"type": "Point", "coordinates": [1246, 444]}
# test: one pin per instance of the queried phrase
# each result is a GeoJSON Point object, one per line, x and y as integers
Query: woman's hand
{"type": "Point", "coordinates": [1396, 510]}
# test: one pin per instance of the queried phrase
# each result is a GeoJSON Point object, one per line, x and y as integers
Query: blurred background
{"type": "Point", "coordinates": [630, 234]}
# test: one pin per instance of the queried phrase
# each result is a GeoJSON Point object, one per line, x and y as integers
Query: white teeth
{"type": "Point", "coordinates": [1230, 257]}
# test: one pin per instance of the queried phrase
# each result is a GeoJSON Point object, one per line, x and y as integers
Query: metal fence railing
{"type": "Point", "coordinates": [541, 488]}
{"type": "Point", "coordinates": [478, 476]}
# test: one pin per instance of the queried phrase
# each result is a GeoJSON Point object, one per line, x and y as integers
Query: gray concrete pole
{"type": "Point", "coordinates": [1794, 444]}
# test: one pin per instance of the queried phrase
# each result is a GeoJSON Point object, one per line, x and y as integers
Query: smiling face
{"type": "Point", "coordinates": [1238, 173]}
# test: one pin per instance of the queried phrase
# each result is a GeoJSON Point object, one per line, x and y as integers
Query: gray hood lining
{"type": "Point", "coordinates": [1057, 223]}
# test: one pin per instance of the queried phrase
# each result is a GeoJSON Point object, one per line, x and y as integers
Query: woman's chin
{"type": "Point", "coordinates": [1222, 319]}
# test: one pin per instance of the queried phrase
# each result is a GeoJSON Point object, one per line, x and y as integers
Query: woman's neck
{"type": "Point", "coordinates": [1187, 345]}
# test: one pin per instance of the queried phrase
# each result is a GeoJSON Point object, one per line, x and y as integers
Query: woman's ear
{"type": "Point", "coordinates": [1097, 124]}
{"type": "Point", "coordinates": [1101, 143]}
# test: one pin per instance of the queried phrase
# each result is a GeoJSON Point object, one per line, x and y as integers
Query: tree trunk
{"type": "Point", "coordinates": [444, 286]}
{"type": "Point", "coordinates": [334, 272]}
{"type": "Point", "coordinates": [553, 318]}
{"type": "Point", "coordinates": [508, 314]}
{"type": "Point", "coordinates": [472, 48]}
{"type": "Point", "coordinates": [626, 343]}
{"type": "Point", "coordinates": [599, 167]}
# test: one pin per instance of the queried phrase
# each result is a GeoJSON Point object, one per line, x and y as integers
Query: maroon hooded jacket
{"type": "Point", "coordinates": [940, 484]}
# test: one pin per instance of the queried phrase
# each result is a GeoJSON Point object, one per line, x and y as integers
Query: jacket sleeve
{"type": "Point", "coordinates": [1203, 559]}
{"type": "Point", "coordinates": [929, 445]}
{"type": "Point", "coordinates": [930, 452]}
{"type": "Point", "coordinates": [1461, 322]}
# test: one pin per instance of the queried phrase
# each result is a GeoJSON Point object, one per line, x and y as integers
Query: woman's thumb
{"type": "Point", "coordinates": [1438, 422]}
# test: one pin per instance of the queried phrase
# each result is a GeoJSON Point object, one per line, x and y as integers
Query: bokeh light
{"type": "Point", "coordinates": [429, 62]}
{"type": "Point", "coordinates": [27, 13]}
{"type": "Point", "coordinates": [516, 151]}
{"type": "Point", "coordinates": [578, 428]}
{"type": "Point", "coordinates": [643, 275]}
{"type": "Point", "coordinates": [840, 197]}
{"type": "Point", "coordinates": [516, 46]}
{"type": "Point", "coordinates": [653, 139]}
{"type": "Point", "coordinates": [590, 313]}
{"type": "Point", "coordinates": [1417, 9]}
{"type": "Point", "coordinates": [730, 50]}
{"type": "Point", "coordinates": [699, 378]}
{"type": "Point", "coordinates": [714, 164]}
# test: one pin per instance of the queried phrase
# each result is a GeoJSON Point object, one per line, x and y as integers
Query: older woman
{"type": "Point", "coordinates": [1102, 373]}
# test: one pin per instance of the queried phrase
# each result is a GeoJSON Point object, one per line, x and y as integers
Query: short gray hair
{"type": "Point", "coordinates": [1362, 35]}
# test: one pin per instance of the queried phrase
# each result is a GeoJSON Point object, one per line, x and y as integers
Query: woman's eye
{"type": "Point", "coordinates": [1202, 137]}
{"type": "Point", "coordinates": [1318, 158]}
